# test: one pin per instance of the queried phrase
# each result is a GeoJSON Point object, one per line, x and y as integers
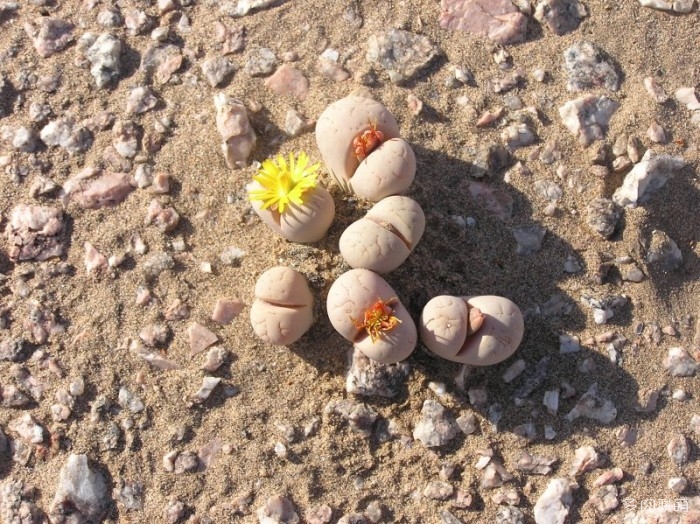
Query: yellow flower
{"type": "Point", "coordinates": [284, 182]}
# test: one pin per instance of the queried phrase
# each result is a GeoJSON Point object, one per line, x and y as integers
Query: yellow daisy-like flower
{"type": "Point", "coordinates": [284, 182]}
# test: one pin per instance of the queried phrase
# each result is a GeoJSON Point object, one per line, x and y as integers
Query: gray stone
{"type": "Point", "coordinates": [593, 406]}
{"type": "Point", "coordinates": [589, 67]}
{"type": "Point", "coordinates": [663, 252]}
{"type": "Point", "coordinates": [561, 16]}
{"type": "Point", "coordinates": [65, 133]}
{"type": "Point", "coordinates": [401, 53]}
{"type": "Point", "coordinates": [105, 57]}
{"type": "Point", "coordinates": [217, 69]}
{"type": "Point", "coordinates": [604, 499]}
{"type": "Point", "coordinates": [679, 363]}
{"type": "Point", "coordinates": [49, 35]}
{"type": "Point", "coordinates": [35, 233]}
{"type": "Point", "coordinates": [141, 99]}
{"type": "Point", "coordinates": [510, 515]}
{"type": "Point", "coordinates": [529, 239]}
{"type": "Point", "coordinates": [436, 426]}
{"type": "Point", "coordinates": [603, 216]}
{"type": "Point", "coordinates": [277, 510]}
{"type": "Point", "coordinates": [81, 495]}
{"type": "Point", "coordinates": [370, 378]}
{"type": "Point", "coordinates": [13, 349]}
{"type": "Point", "coordinates": [161, 61]}
{"type": "Point", "coordinates": [261, 62]}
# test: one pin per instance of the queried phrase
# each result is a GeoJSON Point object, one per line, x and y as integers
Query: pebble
{"type": "Point", "coordinates": [514, 371]}
{"type": "Point", "coordinates": [552, 507]}
{"type": "Point", "coordinates": [200, 338]}
{"type": "Point", "coordinates": [35, 233]}
{"type": "Point", "coordinates": [678, 450]}
{"type": "Point", "coordinates": [605, 499]}
{"type": "Point", "coordinates": [331, 69]}
{"type": "Point", "coordinates": [49, 35]}
{"type": "Point", "coordinates": [467, 423]}
{"type": "Point", "coordinates": [130, 494]}
{"type": "Point", "coordinates": [236, 132]}
{"type": "Point", "coordinates": [360, 416]}
{"type": "Point", "coordinates": [603, 216]}
{"type": "Point", "coordinates": [498, 202]}
{"type": "Point", "coordinates": [277, 509]}
{"type": "Point", "coordinates": [160, 62]}
{"type": "Point", "coordinates": [141, 99]}
{"type": "Point", "coordinates": [593, 406]}
{"type": "Point", "coordinates": [319, 515]}
{"type": "Point", "coordinates": [261, 62]}
{"type": "Point", "coordinates": [288, 80]}
{"type": "Point", "coordinates": [226, 309]}
{"type": "Point", "coordinates": [64, 132]}
{"type": "Point", "coordinates": [401, 53]}
{"type": "Point", "coordinates": [107, 190]}
{"type": "Point", "coordinates": [495, 475]}
{"type": "Point", "coordinates": [156, 264]}
{"type": "Point", "coordinates": [94, 260]}
{"type": "Point", "coordinates": [165, 219]}
{"type": "Point", "coordinates": [208, 385]}
{"type": "Point", "coordinates": [436, 426]}
{"type": "Point", "coordinates": [516, 136]}
{"type": "Point", "coordinates": [217, 69]}
{"type": "Point", "coordinates": [81, 493]}
{"type": "Point", "coordinates": [663, 252]}
{"type": "Point", "coordinates": [588, 117]}
{"type": "Point", "coordinates": [185, 462]}
{"type": "Point", "coordinates": [296, 123]}
{"type": "Point", "coordinates": [632, 274]}
{"type": "Point", "coordinates": [647, 177]}
{"type": "Point", "coordinates": [534, 464]}
{"type": "Point", "coordinates": [560, 16]}
{"type": "Point", "coordinates": [498, 20]}
{"type": "Point", "coordinates": [137, 22]}
{"type": "Point", "coordinates": [27, 429]}
{"type": "Point", "coordinates": [677, 6]}
{"type": "Point", "coordinates": [655, 90]}
{"type": "Point", "coordinates": [677, 484]}
{"type": "Point", "coordinates": [510, 515]}
{"type": "Point", "coordinates": [105, 57]}
{"type": "Point", "coordinates": [216, 357]}
{"type": "Point", "coordinates": [588, 67]}
{"type": "Point", "coordinates": [370, 378]}
{"type": "Point", "coordinates": [155, 334]}
{"type": "Point", "coordinates": [529, 239]}
{"type": "Point", "coordinates": [438, 490]}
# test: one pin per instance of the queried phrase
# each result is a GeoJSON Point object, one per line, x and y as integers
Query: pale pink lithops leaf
{"type": "Point", "coordinates": [200, 338]}
{"type": "Point", "coordinates": [283, 308]}
{"type": "Point", "coordinates": [387, 170]}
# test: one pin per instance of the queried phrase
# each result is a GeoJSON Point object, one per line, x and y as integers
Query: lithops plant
{"type": "Point", "coordinates": [479, 331]}
{"type": "Point", "coordinates": [286, 196]}
{"type": "Point", "coordinates": [364, 309]}
{"type": "Point", "coordinates": [350, 131]}
{"type": "Point", "coordinates": [388, 170]}
{"type": "Point", "coordinates": [383, 239]}
{"type": "Point", "coordinates": [235, 130]}
{"type": "Point", "coordinates": [283, 307]}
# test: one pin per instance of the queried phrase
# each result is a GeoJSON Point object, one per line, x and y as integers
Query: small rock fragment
{"type": "Point", "coordinates": [81, 495]}
{"type": "Point", "coordinates": [663, 252]}
{"type": "Point", "coordinates": [226, 309]}
{"type": "Point", "coordinates": [208, 385]}
{"type": "Point", "coordinates": [401, 53]}
{"type": "Point", "coordinates": [588, 117]}
{"type": "Point", "coordinates": [287, 80]}
{"type": "Point", "coordinates": [370, 378]}
{"type": "Point", "coordinates": [49, 35]}
{"type": "Point", "coordinates": [561, 16]}
{"type": "Point", "coordinates": [141, 99]}
{"type": "Point", "coordinates": [276, 510]}
{"type": "Point", "coordinates": [234, 127]}
{"type": "Point", "coordinates": [647, 177]}
{"type": "Point", "coordinates": [679, 363]}
{"type": "Point", "coordinates": [217, 69]}
{"type": "Point", "coordinates": [35, 233]}
{"type": "Point", "coordinates": [498, 20]}
{"type": "Point", "coordinates": [552, 507]}
{"type": "Point", "coordinates": [200, 338]}
{"type": "Point", "coordinates": [105, 57]}
{"type": "Point", "coordinates": [436, 426]}
{"type": "Point", "coordinates": [591, 405]}
{"type": "Point", "coordinates": [603, 216]}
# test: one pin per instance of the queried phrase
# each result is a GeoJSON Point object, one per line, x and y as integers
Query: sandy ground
{"type": "Point", "coordinates": [292, 385]}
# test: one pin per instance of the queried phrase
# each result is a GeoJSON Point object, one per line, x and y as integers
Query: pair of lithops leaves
{"type": "Point", "coordinates": [359, 142]}
{"type": "Point", "coordinates": [479, 331]}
